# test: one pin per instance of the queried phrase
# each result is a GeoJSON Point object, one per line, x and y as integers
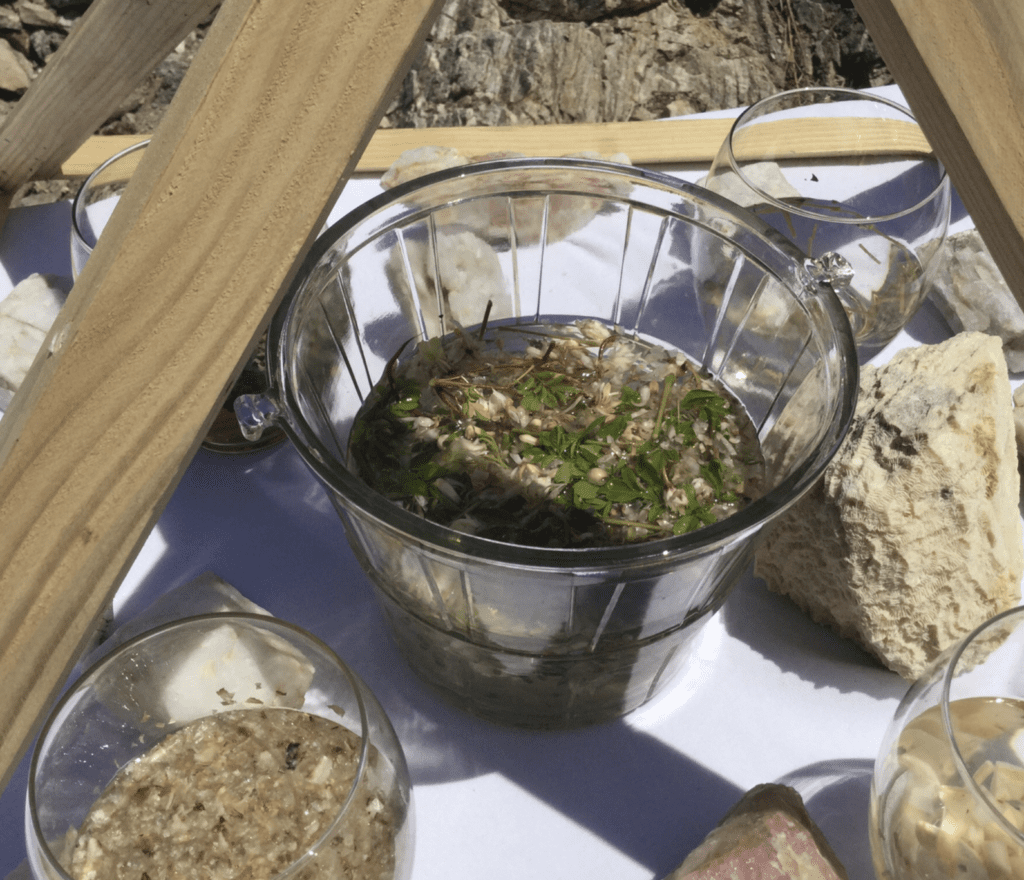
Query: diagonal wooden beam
{"type": "Point", "coordinates": [960, 66]}
{"type": "Point", "coordinates": [264, 129]}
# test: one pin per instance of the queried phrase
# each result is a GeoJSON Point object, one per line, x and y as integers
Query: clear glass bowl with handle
{"type": "Point", "coordinates": [947, 797]}
{"type": "Point", "coordinates": [546, 636]}
{"type": "Point", "coordinates": [301, 776]}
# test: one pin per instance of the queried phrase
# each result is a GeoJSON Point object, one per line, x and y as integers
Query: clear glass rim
{"type": "Point", "coordinates": [261, 620]}
{"type": "Point", "coordinates": [970, 783]}
{"type": "Point", "coordinates": [78, 204]}
{"type": "Point", "coordinates": [846, 94]}
{"type": "Point", "coordinates": [786, 258]}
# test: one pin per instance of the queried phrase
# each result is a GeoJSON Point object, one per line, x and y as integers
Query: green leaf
{"type": "Point", "coordinates": [629, 400]}
{"type": "Point", "coordinates": [583, 492]}
{"type": "Point", "coordinates": [710, 407]}
{"type": "Point", "coordinates": [569, 470]}
{"type": "Point", "coordinates": [544, 388]}
{"type": "Point", "coordinates": [619, 491]}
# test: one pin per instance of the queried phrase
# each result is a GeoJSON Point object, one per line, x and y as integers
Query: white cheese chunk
{"type": "Point", "coordinates": [26, 316]}
{"type": "Point", "coordinates": [232, 665]}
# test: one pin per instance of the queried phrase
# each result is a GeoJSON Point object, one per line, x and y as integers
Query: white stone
{"type": "Point", "coordinates": [419, 161]}
{"type": "Point", "coordinates": [470, 277]}
{"type": "Point", "coordinates": [36, 15]}
{"type": "Point", "coordinates": [912, 537]}
{"type": "Point", "coordinates": [971, 293]}
{"type": "Point", "coordinates": [230, 666]}
{"type": "Point", "coordinates": [238, 666]}
{"type": "Point", "coordinates": [26, 315]}
{"type": "Point", "coordinates": [767, 176]}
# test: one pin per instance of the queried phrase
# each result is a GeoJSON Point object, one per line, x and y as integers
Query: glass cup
{"type": "Point", "coordinates": [947, 800]}
{"type": "Point", "coordinates": [850, 179]}
{"type": "Point", "coordinates": [91, 209]}
{"type": "Point", "coordinates": [240, 670]}
{"type": "Point", "coordinates": [555, 636]}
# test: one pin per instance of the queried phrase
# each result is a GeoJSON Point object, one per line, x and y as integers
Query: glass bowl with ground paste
{"type": "Point", "coordinates": [219, 746]}
{"type": "Point", "coordinates": [553, 402]}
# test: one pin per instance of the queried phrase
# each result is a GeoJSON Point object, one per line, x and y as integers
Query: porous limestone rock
{"type": "Point", "coordinates": [912, 537]}
{"type": "Point", "coordinates": [766, 836]}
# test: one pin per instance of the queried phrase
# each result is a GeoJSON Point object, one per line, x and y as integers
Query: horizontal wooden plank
{"type": "Point", "coordinates": [658, 142]}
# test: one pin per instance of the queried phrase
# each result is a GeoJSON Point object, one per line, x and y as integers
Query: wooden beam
{"type": "Point", "coordinates": [264, 130]}
{"type": "Point", "coordinates": [108, 54]}
{"type": "Point", "coordinates": [685, 141]}
{"type": "Point", "coordinates": [960, 66]}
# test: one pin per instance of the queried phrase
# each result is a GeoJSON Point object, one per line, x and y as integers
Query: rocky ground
{"type": "Point", "coordinates": [496, 62]}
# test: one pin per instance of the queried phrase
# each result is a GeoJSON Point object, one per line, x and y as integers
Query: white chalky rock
{"type": "Point", "coordinates": [912, 537]}
{"type": "Point", "coordinates": [238, 665]}
{"type": "Point", "coordinates": [419, 161]}
{"type": "Point", "coordinates": [970, 292]}
{"type": "Point", "coordinates": [229, 665]}
{"type": "Point", "coordinates": [766, 175]}
{"type": "Point", "coordinates": [470, 277]}
{"type": "Point", "coordinates": [26, 315]}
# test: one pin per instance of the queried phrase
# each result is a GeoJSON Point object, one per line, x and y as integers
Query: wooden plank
{"type": "Point", "coordinates": [108, 54]}
{"type": "Point", "coordinates": [268, 123]}
{"type": "Point", "coordinates": [960, 66]}
{"type": "Point", "coordinates": [662, 142]}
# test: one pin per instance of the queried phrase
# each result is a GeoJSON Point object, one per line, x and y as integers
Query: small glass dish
{"type": "Point", "coordinates": [547, 636]}
{"type": "Point", "coordinates": [849, 177]}
{"type": "Point", "coordinates": [947, 797]}
{"type": "Point", "coordinates": [233, 729]}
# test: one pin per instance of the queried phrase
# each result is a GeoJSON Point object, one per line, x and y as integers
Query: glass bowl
{"type": "Point", "coordinates": [947, 794]}
{"type": "Point", "coordinates": [860, 191]}
{"type": "Point", "coordinates": [541, 636]}
{"type": "Point", "coordinates": [261, 681]}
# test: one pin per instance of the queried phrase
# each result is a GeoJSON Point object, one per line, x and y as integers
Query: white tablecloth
{"type": "Point", "coordinates": [772, 696]}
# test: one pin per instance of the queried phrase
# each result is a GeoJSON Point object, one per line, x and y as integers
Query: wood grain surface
{"type": "Point", "coordinates": [960, 65]}
{"type": "Point", "coordinates": [266, 126]}
{"type": "Point", "coordinates": [659, 142]}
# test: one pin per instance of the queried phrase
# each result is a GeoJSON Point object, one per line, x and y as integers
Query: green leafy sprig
{"type": "Point", "coordinates": [601, 473]}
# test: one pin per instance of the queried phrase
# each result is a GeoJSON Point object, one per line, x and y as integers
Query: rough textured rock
{"type": "Point", "coordinates": [13, 75]}
{"type": "Point", "coordinates": [490, 62]}
{"type": "Point", "coordinates": [912, 537]}
{"type": "Point", "coordinates": [766, 836]}
{"type": "Point", "coordinates": [971, 293]}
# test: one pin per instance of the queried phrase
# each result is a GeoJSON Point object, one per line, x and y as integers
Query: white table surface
{"type": "Point", "coordinates": [771, 697]}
